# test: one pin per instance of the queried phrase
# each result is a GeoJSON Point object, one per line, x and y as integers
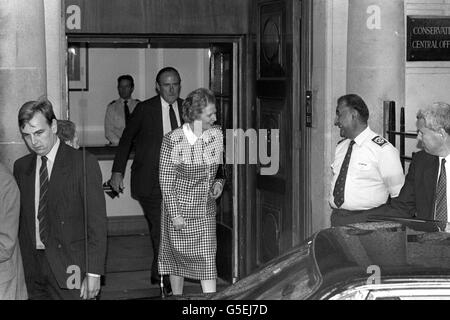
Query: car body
{"type": "Point", "coordinates": [375, 260]}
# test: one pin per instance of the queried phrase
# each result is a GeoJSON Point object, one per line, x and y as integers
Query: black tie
{"type": "Point", "coordinates": [43, 200]}
{"type": "Point", "coordinates": [339, 187]}
{"type": "Point", "coordinates": [127, 111]}
{"type": "Point", "coordinates": [441, 198]}
{"type": "Point", "coordinates": [173, 118]}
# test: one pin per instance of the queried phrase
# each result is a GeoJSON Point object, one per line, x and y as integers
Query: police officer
{"type": "Point", "coordinates": [366, 168]}
{"type": "Point", "coordinates": [119, 111]}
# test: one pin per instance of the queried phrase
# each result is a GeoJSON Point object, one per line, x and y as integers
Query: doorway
{"type": "Point", "coordinates": [202, 62]}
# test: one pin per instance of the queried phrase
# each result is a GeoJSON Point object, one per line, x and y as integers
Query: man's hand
{"type": "Point", "coordinates": [116, 182]}
{"type": "Point", "coordinates": [90, 287]}
{"type": "Point", "coordinates": [178, 223]}
{"type": "Point", "coordinates": [216, 190]}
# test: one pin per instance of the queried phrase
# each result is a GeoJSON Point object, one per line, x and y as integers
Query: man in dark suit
{"type": "Point", "coordinates": [149, 122]}
{"type": "Point", "coordinates": [60, 188]}
{"type": "Point", "coordinates": [424, 194]}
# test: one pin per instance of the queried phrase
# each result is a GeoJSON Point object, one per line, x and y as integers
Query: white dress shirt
{"type": "Point", "coordinates": [167, 127]}
{"type": "Point", "coordinates": [374, 172]}
{"type": "Point", "coordinates": [50, 161]}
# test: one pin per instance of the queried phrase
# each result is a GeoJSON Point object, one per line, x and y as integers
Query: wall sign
{"type": "Point", "coordinates": [428, 38]}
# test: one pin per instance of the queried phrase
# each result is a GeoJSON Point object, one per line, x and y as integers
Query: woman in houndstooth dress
{"type": "Point", "coordinates": [190, 157]}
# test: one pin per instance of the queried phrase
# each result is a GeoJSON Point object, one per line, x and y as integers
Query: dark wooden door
{"type": "Point", "coordinates": [221, 75]}
{"type": "Point", "coordinates": [278, 194]}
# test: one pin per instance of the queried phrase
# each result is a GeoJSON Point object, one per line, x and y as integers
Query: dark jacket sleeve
{"type": "Point", "coordinates": [404, 205]}
{"type": "Point", "coordinates": [96, 213]}
{"type": "Point", "coordinates": [128, 136]}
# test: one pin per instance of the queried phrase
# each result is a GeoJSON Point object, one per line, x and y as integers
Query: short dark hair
{"type": "Point", "coordinates": [195, 102]}
{"type": "Point", "coordinates": [30, 108]}
{"type": "Point", "coordinates": [66, 130]}
{"type": "Point", "coordinates": [357, 103]}
{"type": "Point", "coordinates": [125, 77]}
{"type": "Point", "coordinates": [167, 69]}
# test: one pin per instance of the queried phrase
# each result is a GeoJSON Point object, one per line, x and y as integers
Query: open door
{"type": "Point", "coordinates": [279, 219]}
{"type": "Point", "coordinates": [221, 75]}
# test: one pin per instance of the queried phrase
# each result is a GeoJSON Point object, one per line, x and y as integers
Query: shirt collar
{"type": "Point", "coordinates": [190, 135]}
{"type": "Point", "coordinates": [52, 154]}
{"type": "Point", "coordinates": [447, 159]}
{"type": "Point", "coordinates": [164, 103]}
{"type": "Point", "coordinates": [363, 136]}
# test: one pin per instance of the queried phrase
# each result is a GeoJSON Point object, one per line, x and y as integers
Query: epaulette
{"type": "Point", "coordinates": [380, 141]}
{"type": "Point", "coordinates": [341, 141]}
{"type": "Point", "coordinates": [112, 102]}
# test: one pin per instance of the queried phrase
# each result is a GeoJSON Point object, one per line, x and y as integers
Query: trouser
{"type": "Point", "coordinates": [43, 284]}
{"type": "Point", "coordinates": [342, 217]}
{"type": "Point", "coordinates": [152, 211]}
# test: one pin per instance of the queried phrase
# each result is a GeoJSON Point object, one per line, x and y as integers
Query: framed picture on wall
{"type": "Point", "coordinates": [77, 66]}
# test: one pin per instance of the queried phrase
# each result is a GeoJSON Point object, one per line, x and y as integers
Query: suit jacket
{"type": "Point", "coordinates": [67, 196]}
{"type": "Point", "coordinates": [145, 131]}
{"type": "Point", "coordinates": [416, 199]}
{"type": "Point", "coordinates": [12, 279]}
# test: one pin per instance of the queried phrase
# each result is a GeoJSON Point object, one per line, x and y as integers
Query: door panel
{"type": "Point", "coordinates": [274, 109]}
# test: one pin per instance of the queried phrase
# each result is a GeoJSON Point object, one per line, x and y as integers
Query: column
{"type": "Point", "coordinates": [22, 69]}
{"type": "Point", "coordinates": [376, 54]}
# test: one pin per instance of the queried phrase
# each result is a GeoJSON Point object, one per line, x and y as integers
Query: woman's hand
{"type": "Point", "coordinates": [178, 223]}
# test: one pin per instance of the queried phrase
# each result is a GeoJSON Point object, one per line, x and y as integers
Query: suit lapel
{"type": "Point", "coordinates": [59, 174]}
{"type": "Point", "coordinates": [158, 120]}
{"type": "Point", "coordinates": [430, 174]}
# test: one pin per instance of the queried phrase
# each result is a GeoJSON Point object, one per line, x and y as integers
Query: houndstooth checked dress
{"type": "Point", "coordinates": [187, 174]}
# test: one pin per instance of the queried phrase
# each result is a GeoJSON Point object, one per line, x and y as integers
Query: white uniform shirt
{"type": "Point", "coordinates": [167, 127]}
{"type": "Point", "coordinates": [374, 172]}
{"type": "Point", "coordinates": [115, 119]}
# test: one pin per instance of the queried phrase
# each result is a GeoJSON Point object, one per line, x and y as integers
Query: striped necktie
{"type": "Point", "coordinates": [440, 212]}
{"type": "Point", "coordinates": [43, 200]}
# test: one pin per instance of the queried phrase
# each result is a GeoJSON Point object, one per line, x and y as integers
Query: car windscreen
{"type": "Point", "coordinates": [292, 276]}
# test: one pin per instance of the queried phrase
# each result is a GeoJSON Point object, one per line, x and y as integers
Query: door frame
{"type": "Point", "coordinates": [239, 100]}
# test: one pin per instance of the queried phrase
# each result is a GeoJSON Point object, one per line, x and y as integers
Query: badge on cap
{"type": "Point", "coordinates": [380, 141]}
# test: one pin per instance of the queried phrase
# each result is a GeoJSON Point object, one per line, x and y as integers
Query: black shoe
{"type": "Point", "coordinates": [167, 287]}
{"type": "Point", "coordinates": [166, 290]}
{"type": "Point", "coordinates": [155, 280]}
{"type": "Point", "coordinates": [164, 293]}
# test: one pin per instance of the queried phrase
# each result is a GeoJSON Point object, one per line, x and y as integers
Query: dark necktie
{"type": "Point", "coordinates": [127, 111]}
{"type": "Point", "coordinates": [339, 187]}
{"type": "Point", "coordinates": [173, 118]}
{"type": "Point", "coordinates": [43, 200]}
{"type": "Point", "coordinates": [441, 198]}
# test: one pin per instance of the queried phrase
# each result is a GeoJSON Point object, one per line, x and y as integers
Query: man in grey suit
{"type": "Point", "coordinates": [12, 279]}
